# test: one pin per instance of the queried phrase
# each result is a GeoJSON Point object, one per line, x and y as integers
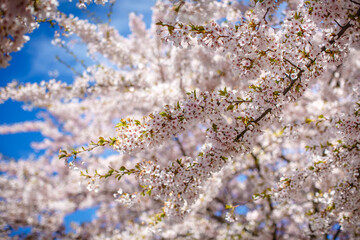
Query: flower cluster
{"type": "Point", "coordinates": [82, 3]}
{"type": "Point", "coordinates": [18, 18]}
{"type": "Point", "coordinates": [266, 146]}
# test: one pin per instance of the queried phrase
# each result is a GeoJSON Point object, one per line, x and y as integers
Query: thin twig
{"type": "Point", "coordinates": [180, 146]}
{"type": "Point", "coordinates": [255, 121]}
{"type": "Point", "coordinates": [292, 64]}
{"type": "Point", "coordinates": [110, 12]}
{"type": "Point", "coordinates": [267, 10]}
{"type": "Point", "coordinates": [338, 23]}
{"type": "Point", "coordinates": [337, 233]}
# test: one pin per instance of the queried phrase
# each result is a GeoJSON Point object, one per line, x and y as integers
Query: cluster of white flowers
{"type": "Point", "coordinates": [267, 96]}
{"type": "Point", "coordinates": [242, 128]}
{"type": "Point", "coordinates": [18, 18]}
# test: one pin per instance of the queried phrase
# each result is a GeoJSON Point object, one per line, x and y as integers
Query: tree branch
{"type": "Point", "coordinates": [180, 146]}
{"type": "Point", "coordinates": [255, 121]}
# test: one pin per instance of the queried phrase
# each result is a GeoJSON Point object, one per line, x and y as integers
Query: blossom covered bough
{"type": "Point", "coordinates": [234, 121]}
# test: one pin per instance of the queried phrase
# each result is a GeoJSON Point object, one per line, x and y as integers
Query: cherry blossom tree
{"type": "Point", "coordinates": [223, 120]}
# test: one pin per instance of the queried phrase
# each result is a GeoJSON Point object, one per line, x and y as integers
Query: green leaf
{"type": "Point", "coordinates": [63, 151]}
{"type": "Point", "coordinates": [330, 207]}
{"type": "Point", "coordinates": [256, 88]}
{"type": "Point", "coordinates": [319, 162]}
{"type": "Point", "coordinates": [230, 107]}
{"type": "Point", "coordinates": [170, 29]}
{"type": "Point", "coordinates": [163, 114]}
{"type": "Point", "coordinates": [110, 172]}
{"type": "Point", "coordinates": [308, 120]}
{"type": "Point", "coordinates": [137, 166]}
{"type": "Point", "coordinates": [220, 73]}
{"type": "Point", "coordinates": [122, 123]}
{"type": "Point", "coordinates": [256, 196]}
{"type": "Point", "coordinates": [214, 127]}
{"type": "Point", "coordinates": [223, 92]}
{"type": "Point", "coordinates": [224, 158]}
{"type": "Point", "coordinates": [309, 213]}
{"type": "Point", "coordinates": [178, 161]}
{"type": "Point", "coordinates": [101, 141]}
{"type": "Point", "coordinates": [297, 15]}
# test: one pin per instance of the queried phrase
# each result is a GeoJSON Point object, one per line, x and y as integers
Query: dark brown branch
{"type": "Point", "coordinates": [337, 233]}
{"type": "Point", "coordinates": [242, 101]}
{"type": "Point", "coordinates": [180, 146]}
{"type": "Point", "coordinates": [262, 115]}
{"type": "Point", "coordinates": [293, 65]}
{"type": "Point", "coordinates": [267, 11]}
{"type": "Point", "coordinates": [338, 24]}
{"type": "Point", "coordinates": [344, 28]}
{"type": "Point", "coordinates": [287, 89]}
{"type": "Point", "coordinates": [255, 121]}
{"type": "Point", "coordinates": [312, 233]}
{"type": "Point", "coordinates": [256, 163]}
{"type": "Point", "coordinates": [177, 8]}
{"type": "Point", "coordinates": [333, 75]}
{"type": "Point", "coordinates": [284, 158]}
{"type": "Point", "coordinates": [215, 217]}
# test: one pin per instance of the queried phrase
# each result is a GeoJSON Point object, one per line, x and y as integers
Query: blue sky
{"type": "Point", "coordinates": [33, 63]}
